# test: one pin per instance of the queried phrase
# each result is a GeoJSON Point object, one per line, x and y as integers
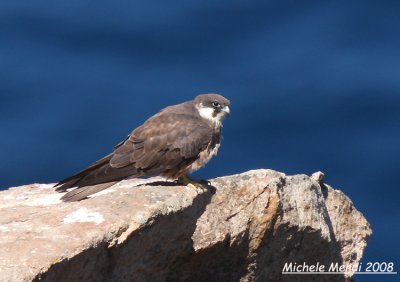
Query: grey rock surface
{"type": "Point", "coordinates": [244, 227]}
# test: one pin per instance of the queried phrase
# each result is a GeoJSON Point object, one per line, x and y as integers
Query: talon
{"type": "Point", "coordinates": [187, 181]}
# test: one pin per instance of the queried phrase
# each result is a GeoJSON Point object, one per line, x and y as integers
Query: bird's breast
{"type": "Point", "coordinates": [205, 156]}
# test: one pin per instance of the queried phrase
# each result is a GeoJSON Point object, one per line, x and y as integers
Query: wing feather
{"type": "Point", "coordinates": [164, 141]}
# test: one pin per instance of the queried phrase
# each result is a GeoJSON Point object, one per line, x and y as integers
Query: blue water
{"type": "Point", "coordinates": [314, 85]}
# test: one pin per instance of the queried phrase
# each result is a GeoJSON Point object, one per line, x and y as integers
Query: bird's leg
{"type": "Point", "coordinates": [187, 181]}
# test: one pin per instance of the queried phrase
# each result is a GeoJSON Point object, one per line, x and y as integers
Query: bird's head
{"type": "Point", "coordinates": [212, 107]}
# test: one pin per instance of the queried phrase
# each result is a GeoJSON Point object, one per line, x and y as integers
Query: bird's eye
{"type": "Point", "coordinates": [216, 104]}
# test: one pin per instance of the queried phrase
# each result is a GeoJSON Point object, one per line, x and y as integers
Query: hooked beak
{"type": "Point", "coordinates": [226, 110]}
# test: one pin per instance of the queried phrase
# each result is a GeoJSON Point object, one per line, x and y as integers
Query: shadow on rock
{"type": "Point", "coordinates": [147, 254]}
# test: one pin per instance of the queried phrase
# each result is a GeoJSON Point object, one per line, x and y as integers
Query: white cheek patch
{"type": "Point", "coordinates": [207, 113]}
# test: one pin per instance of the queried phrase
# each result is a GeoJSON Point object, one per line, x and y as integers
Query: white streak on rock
{"type": "Point", "coordinates": [84, 215]}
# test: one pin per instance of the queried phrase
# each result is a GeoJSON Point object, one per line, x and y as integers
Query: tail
{"type": "Point", "coordinates": [98, 176]}
{"type": "Point", "coordinates": [82, 192]}
{"type": "Point", "coordinates": [73, 180]}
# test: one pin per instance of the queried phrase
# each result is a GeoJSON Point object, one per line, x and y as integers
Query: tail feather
{"type": "Point", "coordinates": [82, 192]}
{"type": "Point", "coordinates": [63, 186]}
{"type": "Point", "coordinates": [72, 180]}
{"type": "Point", "coordinates": [98, 176]}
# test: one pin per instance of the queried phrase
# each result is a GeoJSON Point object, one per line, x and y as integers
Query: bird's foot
{"type": "Point", "coordinates": [187, 181]}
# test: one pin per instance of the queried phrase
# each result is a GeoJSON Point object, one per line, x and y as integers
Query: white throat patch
{"type": "Point", "coordinates": [207, 113]}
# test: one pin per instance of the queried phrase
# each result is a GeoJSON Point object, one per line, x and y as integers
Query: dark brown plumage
{"type": "Point", "coordinates": [177, 140]}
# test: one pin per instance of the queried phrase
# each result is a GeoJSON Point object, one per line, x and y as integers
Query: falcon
{"type": "Point", "coordinates": [176, 141]}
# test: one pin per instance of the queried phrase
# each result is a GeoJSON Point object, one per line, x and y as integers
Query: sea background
{"type": "Point", "coordinates": [314, 85]}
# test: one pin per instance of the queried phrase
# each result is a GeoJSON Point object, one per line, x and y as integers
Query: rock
{"type": "Point", "coordinates": [244, 227]}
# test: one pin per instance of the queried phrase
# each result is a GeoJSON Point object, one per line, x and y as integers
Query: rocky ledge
{"type": "Point", "coordinates": [244, 227]}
